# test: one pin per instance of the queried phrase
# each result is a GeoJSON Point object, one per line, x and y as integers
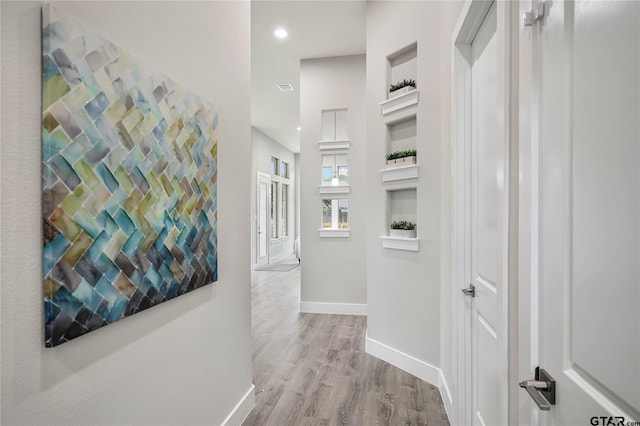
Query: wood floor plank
{"type": "Point", "coordinates": [314, 370]}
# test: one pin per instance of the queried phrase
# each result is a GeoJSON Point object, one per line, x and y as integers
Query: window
{"type": "Point", "coordinates": [327, 174]}
{"type": "Point", "coordinates": [284, 205]}
{"type": "Point", "coordinates": [272, 211]}
{"type": "Point", "coordinates": [343, 210]}
{"type": "Point", "coordinates": [334, 125]}
{"type": "Point", "coordinates": [284, 169]}
{"type": "Point", "coordinates": [343, 174]}
{"type": "Point", "coordinates": [335, 214]}
{"type": "Point", "coordinates": [279, 201]}
{"type": "Point", "coordinates": [335, 170]}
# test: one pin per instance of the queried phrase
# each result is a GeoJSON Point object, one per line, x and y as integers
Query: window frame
{"type": "Point", "coordinates": [279, 199]}
{"type": "Point", "coordinates": [334, 204]}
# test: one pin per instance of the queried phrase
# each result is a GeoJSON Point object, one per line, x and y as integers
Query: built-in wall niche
{"type": "Point", "coordinates": [402, 79]}
{"type": "Point", "coordinates": [335, 131]}
{"type": "Point", "coordinates": [401, 158]}
{"type": "Point", "coordinates": [401, 135]}
{"type": "Point", "coordinates": [335, 218]}
{"type": "Point", "coordinates": [402, 207]}
{"type": "Point", "coordinates": [335, 174]}
{"type": "Point", "coordinates": [403, 64]}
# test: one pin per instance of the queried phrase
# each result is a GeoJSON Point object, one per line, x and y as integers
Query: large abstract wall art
{"type": "Point", "coordinates": [129, 183]}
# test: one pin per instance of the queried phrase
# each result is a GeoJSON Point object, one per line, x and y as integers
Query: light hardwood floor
{"type": "Point", "coordinates": [311, 369]}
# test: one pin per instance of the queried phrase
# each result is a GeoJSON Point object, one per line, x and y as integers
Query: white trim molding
{"type": "Point", "coordinates": [329, 145]}
{"type": "Point", "coordinates": [470, 20]}
{"type": "Point", "coordinates": [412, 365]}
{"type": "Point", "coordinates": [447, 397]}
{"type": "Point", "coordinates": [334, 189]}
{"type": "Point", "coordinates": [399, 102]}
{"type": "Point", "coordinates": [408, 363]}
{"type": "Point", "coordinates": [334, 233]}
{"type": "Point", "coordinates": [399, 173]}
{"type": "Point", "coordinates": [242, 408]}
{"type": "Point", "coordinates": [333, 308]}
{"type": "Point", "coordinates": [605, 402]}
{"type": "Point", "coordinates": [397, 243]}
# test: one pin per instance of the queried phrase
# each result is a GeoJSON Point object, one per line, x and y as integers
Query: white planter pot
{"type": "Point", "coordinates": [406, 161]}
{"type": "Point", "coordinates": [399, 92]}
{"type": "Point", "coordinates": [402, 233]}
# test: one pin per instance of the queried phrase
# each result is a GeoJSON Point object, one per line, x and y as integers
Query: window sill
{"type": "Point", "coordinates": [334, 233]}
{"type": "Point", "coordinates": [334, 189]}
{"type": "Point", "coordinates": [328, 145]}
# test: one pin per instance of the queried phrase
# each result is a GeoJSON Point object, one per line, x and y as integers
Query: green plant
{"type": "Point", "coordinates": [402, 154]}
{"type": "Point", "coordinates": [402, 224]}
{"type": "Point", "coordinates": [403, 83]}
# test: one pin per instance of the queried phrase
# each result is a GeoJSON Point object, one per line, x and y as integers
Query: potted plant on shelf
{"type": "Point", "coordinates": [402, 158]}
{"type": "Point", "coordinates": [401, 87]}
{"type": "Point", "coordinates": [402, 229]}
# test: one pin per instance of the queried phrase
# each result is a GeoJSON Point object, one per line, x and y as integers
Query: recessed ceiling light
{"type": "Point", "coordinates": [280, 33]}
{"type": "Point", "coordinates": [286, 87]}
{"type": "Point", "coordinates": [298, 128]}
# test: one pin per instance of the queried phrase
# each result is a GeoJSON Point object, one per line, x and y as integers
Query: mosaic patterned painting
{"type": "Point", "coordinates": [129, 183]}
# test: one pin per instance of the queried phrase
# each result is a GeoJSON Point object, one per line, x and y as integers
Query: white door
{"type": "Point", "coordinates": [583, 156]}
{"type": "Point", "coordinates": [481, 214]}
{"type": "Point", "coordinates": [487, 224]}
{"type": "Point", "coordinates": [262, 228]}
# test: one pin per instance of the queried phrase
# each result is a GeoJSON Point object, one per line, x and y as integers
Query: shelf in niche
{"type": "Point", "coordinates": [391, 174]}
{"type": "Point", "coordinates": [332, 145]}
{"type": "Point", "coordinates": [334, 189]}
{"type": "Point", "coordinates": [334, 233]}
{"type": "Point", "coordinates": [396, 243]}
{"type": "Point", "coordinates": [403, 101]}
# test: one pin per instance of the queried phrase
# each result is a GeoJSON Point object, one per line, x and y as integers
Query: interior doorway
{"type": "Point", "coordinates": [262, 219]}
{"type": "Point", "coordinates": [481, 208]}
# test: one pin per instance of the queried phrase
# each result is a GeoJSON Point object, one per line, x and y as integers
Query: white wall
{"type": "Point", "coordinates": [186, 361]}
{"type": "Point", "coordinates": [409, 292]}
{"type": "Point", "coordinates": [263, 148]}
{"type": "Point", "coordinates": [333, 269]}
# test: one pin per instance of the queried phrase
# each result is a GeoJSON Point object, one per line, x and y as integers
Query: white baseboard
{"type": "Point", "coordinates": [333, 308]}
{"type": "Point", "coordinates": [446, 396]}
{"type": "Point", "coordinates": [418, 368]}
{"type": "Point", "coordinates": [412, 365]}
{"type": "Point", "coordinates": [242, 408]}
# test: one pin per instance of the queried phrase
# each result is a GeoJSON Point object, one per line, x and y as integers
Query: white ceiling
{"type": "Point", "coordinates": [316, 29]}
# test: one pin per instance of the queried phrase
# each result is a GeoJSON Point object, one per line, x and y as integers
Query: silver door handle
{"type": "Point", "coordinates": [470, 291]}
{"type": "Point", "coordinates": [542, 390]}
{"type": "Point", "coordinates": [532, 387]}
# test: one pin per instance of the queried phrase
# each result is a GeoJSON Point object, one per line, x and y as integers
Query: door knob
{"type": "Point", "coordinates": [542, 390]}
{"type": "Point", "coordinates": [469, 291]}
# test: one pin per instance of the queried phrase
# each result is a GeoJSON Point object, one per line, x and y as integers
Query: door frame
{"type": "Point", "coordinates": [260, 176]}
{"type": "Point", "coordinates": [469, 22]}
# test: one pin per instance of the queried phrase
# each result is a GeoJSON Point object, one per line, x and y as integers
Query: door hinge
{"type": "Point", "coordinates": [536, 14]}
